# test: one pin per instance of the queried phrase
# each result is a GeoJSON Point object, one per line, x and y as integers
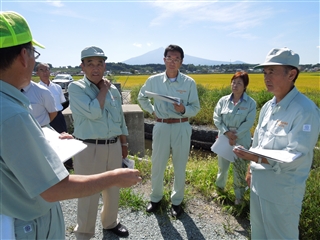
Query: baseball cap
{"type": "Point", "coordinates": [281, 56]}
{"type": "Point", "coordinates": [15, 30]}
{"type": "Point", "coordinates": [92, 52]}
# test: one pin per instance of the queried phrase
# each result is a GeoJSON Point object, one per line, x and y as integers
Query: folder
{"type": "Point", "coordinates": [163, 97]}
{"type": "Point", "coordinates": [65, 148]}
{"type": "Point", "coordinates": [281, 156]}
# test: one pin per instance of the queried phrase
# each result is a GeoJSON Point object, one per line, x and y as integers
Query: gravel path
{"type": "Point", "coordinates": [200, 220]}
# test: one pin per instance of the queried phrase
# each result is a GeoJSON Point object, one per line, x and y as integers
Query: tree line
{"type": "Point", "coordinates": [122, 68]}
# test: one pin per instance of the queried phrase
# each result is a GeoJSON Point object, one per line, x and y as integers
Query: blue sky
{"type": "Point", "coordinates": [215, 30]}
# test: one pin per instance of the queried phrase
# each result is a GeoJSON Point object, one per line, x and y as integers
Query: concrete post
{"type": "Point", "coordinates": [135, 123]}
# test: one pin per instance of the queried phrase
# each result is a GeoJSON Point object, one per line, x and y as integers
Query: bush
{"type": "Point", "coordinates": [309, 225]}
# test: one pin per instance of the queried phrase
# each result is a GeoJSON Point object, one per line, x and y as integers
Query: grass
{"type": "Point", "coordinates": [200, 178]}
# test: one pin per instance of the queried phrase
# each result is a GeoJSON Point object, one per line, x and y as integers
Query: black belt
{"type": "Point", "coordinates": [100, 141]}
{"type": "Point", "coordinates": [172, 120]}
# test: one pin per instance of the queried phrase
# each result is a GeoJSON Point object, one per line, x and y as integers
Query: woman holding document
{"type": "Point", "coordinates": [234, 116]}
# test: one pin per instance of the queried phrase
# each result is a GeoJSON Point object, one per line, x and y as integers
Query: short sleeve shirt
{"type": "Point", "coordinates": [28, 165]}
{"type": "Point", "coordinates": [57, 93]}
{"type": "Point", "coordinates": [42, 102]}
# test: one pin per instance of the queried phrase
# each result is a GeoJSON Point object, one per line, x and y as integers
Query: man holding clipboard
{"type": "Point", "coordinates": [172, 131]}
{"type": "Point", "coordinates": [288, 122]}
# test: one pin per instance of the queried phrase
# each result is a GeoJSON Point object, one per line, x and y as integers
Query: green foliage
{"type": "Point", "coordinates": [132, 200]}
{"type": "Point", "coordinates": [134, 94]}
{"type": "Point", "coordinates": [309, 225]}
{"type": "Point", "coordinates": [260, 97]}
{"type": "Point", "coordinates": [208, 100]}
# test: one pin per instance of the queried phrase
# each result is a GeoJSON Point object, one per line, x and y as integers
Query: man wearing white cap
{"type": "Point", "coordinates": [289, 122]}
{"type": "Point", "coordinates": [99, 122]}
{"type": "Point", "coordinates": [33, 178]}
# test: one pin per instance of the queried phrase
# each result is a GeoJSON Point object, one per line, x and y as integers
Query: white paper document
{"type": "Point", "coordinates": [163, 97]}
{"type": "Point", "coordinates": [222, 147]}
{"type": "Point", "coordinates": [127, 163]}
{"type": "Point", "coordinates": [275, 155]}
{"type": "Point", "coordinates": [65, 148]}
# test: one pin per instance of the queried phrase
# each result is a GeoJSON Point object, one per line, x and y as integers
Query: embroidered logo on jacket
{"type": "Point", "coordinates": [181, 91]}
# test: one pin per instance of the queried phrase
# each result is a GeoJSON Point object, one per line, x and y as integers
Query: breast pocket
{"type": "Point", "coordinates": [279, 131]}
{"type": "Point", "coordinates": [279, 135]}
{"type": "Point", "coordinates": [114, 112]}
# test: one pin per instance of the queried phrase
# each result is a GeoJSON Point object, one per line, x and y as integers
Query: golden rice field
{"type": "Point", "coordinates": [305, 82]}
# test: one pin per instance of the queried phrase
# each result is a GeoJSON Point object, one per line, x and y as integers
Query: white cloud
{"type": "Point", "coordinates": [139, 45]}
{"type": "Point", "coordinates": [55, 3]}
{"type": "Point", "coordinates": [318, 46]}
{"type": "Point", "coordinates": [241, 16]}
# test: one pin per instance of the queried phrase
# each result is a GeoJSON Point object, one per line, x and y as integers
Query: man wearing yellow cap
{"type": "Point", "coordinates": [33, 178]}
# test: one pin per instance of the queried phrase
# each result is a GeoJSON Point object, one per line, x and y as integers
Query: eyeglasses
{"type": "Point", "coordinates": [36, 53]}
{"type": "Point", "coordinates": [43, 69]}
{"type": "Point", "coordinates": [170, 60]}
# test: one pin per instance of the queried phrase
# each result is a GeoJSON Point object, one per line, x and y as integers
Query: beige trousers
{"type": "Point", "coordinates": [97, 158]}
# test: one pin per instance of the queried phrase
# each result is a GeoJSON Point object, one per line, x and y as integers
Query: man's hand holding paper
{"type": "Point", "coordinates": [163, 97]}
{"type": "Point", "coordinates": [243, 153]}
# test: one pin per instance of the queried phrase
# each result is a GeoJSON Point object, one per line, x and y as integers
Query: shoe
{"type": "Point", "coordinates": [120, 230]}
{"type": "Point", "coordinates": [219, 189]}
{"type": "Point", "coordinates": [176, 210]}
{"type": "Point", "coordinates": [152, 207]}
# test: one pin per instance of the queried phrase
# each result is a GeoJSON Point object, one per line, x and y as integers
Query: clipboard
{"type": "Point", "coordinates": [281, 156]}
{"type": "Point", "coordinates": [65, 148]}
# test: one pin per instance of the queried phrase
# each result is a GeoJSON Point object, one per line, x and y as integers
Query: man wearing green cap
{"type": "Point", "coordinates": [99, 122]}
{"type": "Point", "coordinates": [289, 122]}
{"type": "Point", "coordinates": [33, 178]}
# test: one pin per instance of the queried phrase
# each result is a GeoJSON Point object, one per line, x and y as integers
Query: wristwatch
{"type": "Point", "coordinates": [259, 160]}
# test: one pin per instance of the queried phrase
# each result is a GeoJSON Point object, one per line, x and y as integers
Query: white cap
{"type": "Point", "coordinates": [281, 56]}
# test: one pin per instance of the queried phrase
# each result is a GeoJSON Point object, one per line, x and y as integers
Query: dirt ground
{"type": "Point", "coordinates": [211, 212]}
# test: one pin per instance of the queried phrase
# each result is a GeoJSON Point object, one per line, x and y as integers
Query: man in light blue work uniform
{"type": "Point", "coordinates": [172, 130]}
{"type": "Point", "coordinates": [289, 122]}
{"type": "Point", "coordinates": [33, 178]}
{"type": "Point", "coordinates": [99, 122]}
